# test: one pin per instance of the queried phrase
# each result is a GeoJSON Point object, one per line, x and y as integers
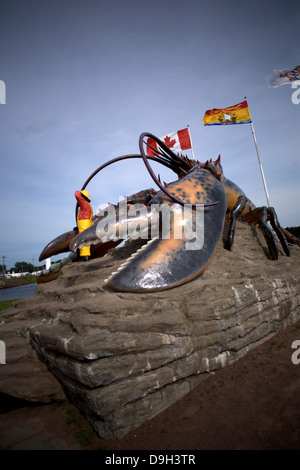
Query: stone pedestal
{"type": "Point", "coordinates": [121, 358]}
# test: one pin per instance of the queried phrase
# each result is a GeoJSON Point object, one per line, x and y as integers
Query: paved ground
{"type": "Point", "coordinates": [252, 404]}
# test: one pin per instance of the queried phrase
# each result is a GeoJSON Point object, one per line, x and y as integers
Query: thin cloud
{"type": "Point", "coordinates": [36, 127]}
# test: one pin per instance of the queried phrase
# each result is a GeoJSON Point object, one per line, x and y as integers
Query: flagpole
{"type": "Point", "coordinates": [191, 141]}
{"type": "Point", "coordinates": [259, 162]}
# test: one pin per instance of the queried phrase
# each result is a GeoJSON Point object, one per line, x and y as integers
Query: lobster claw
{"type": "Point", "coordinates": [62, 243]}
{"type": "Point", "coordinates": [58, 245]}
{"type": "Point", "coordinates": [111, 228]}
{"type": "Point", "coordinates": [165, 263]}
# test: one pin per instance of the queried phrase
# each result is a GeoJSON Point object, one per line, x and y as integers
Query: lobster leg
{"type": "Point", "coordinates": [260, 216]}
{"type": "Point", "coordinates": [275, 224]}
{"type": "Point", "coordinates": [236, 212]}
{"type": "Point", "coordinates": [290, 236]}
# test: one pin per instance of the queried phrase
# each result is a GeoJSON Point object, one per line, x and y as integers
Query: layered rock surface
{"type": "Point", "coordinates": [121, 358]}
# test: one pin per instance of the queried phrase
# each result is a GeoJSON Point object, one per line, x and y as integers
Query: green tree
{"type": "Point", "coordinates": [23, 267]}
{"type": "Point", "coordinates": [294, 231]}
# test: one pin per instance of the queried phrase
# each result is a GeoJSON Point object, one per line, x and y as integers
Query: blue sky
{"type": "Point", "coordinates": [85, 78]}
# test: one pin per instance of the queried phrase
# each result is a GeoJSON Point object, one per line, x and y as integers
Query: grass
{"type": "Point", "coordinates": [17, 281]}
{"type": "Point", "coordinates": [83, 434]}
{"type": "Point", "coordinates": [29, 279]}
{"type": "Point", "coordinates": [5, 304]}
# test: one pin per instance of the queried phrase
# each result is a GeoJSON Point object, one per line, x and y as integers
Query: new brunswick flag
{"type": "Point", "coordinates": [237, 114]}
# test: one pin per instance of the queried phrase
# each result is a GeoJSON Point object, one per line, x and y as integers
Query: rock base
{"type": "Point", "coordinates": [122, 358]}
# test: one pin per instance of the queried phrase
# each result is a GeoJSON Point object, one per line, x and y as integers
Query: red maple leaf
{"type": "Point", "coordinates": [170, 143]}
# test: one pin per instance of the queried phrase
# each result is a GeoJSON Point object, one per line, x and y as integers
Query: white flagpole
{"type": "Point", "coordinates": [259, 162]}
{"type": "Point", "coordinates": [191, 141]}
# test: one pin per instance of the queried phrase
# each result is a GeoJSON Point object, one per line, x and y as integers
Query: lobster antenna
{"type": "Point", "coordinates": [152, 174]}
{"type": "Point", "coordinates": [168, 163]}
{"type": "Point", "coordinates": [164, 157]}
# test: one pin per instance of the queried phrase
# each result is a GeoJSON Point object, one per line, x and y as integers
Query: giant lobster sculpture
{"type": "Point", "coordinates": [165, 262]}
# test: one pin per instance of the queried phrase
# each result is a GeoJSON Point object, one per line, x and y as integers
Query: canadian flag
{"type": "Point", "coordinates": [176, 141]}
